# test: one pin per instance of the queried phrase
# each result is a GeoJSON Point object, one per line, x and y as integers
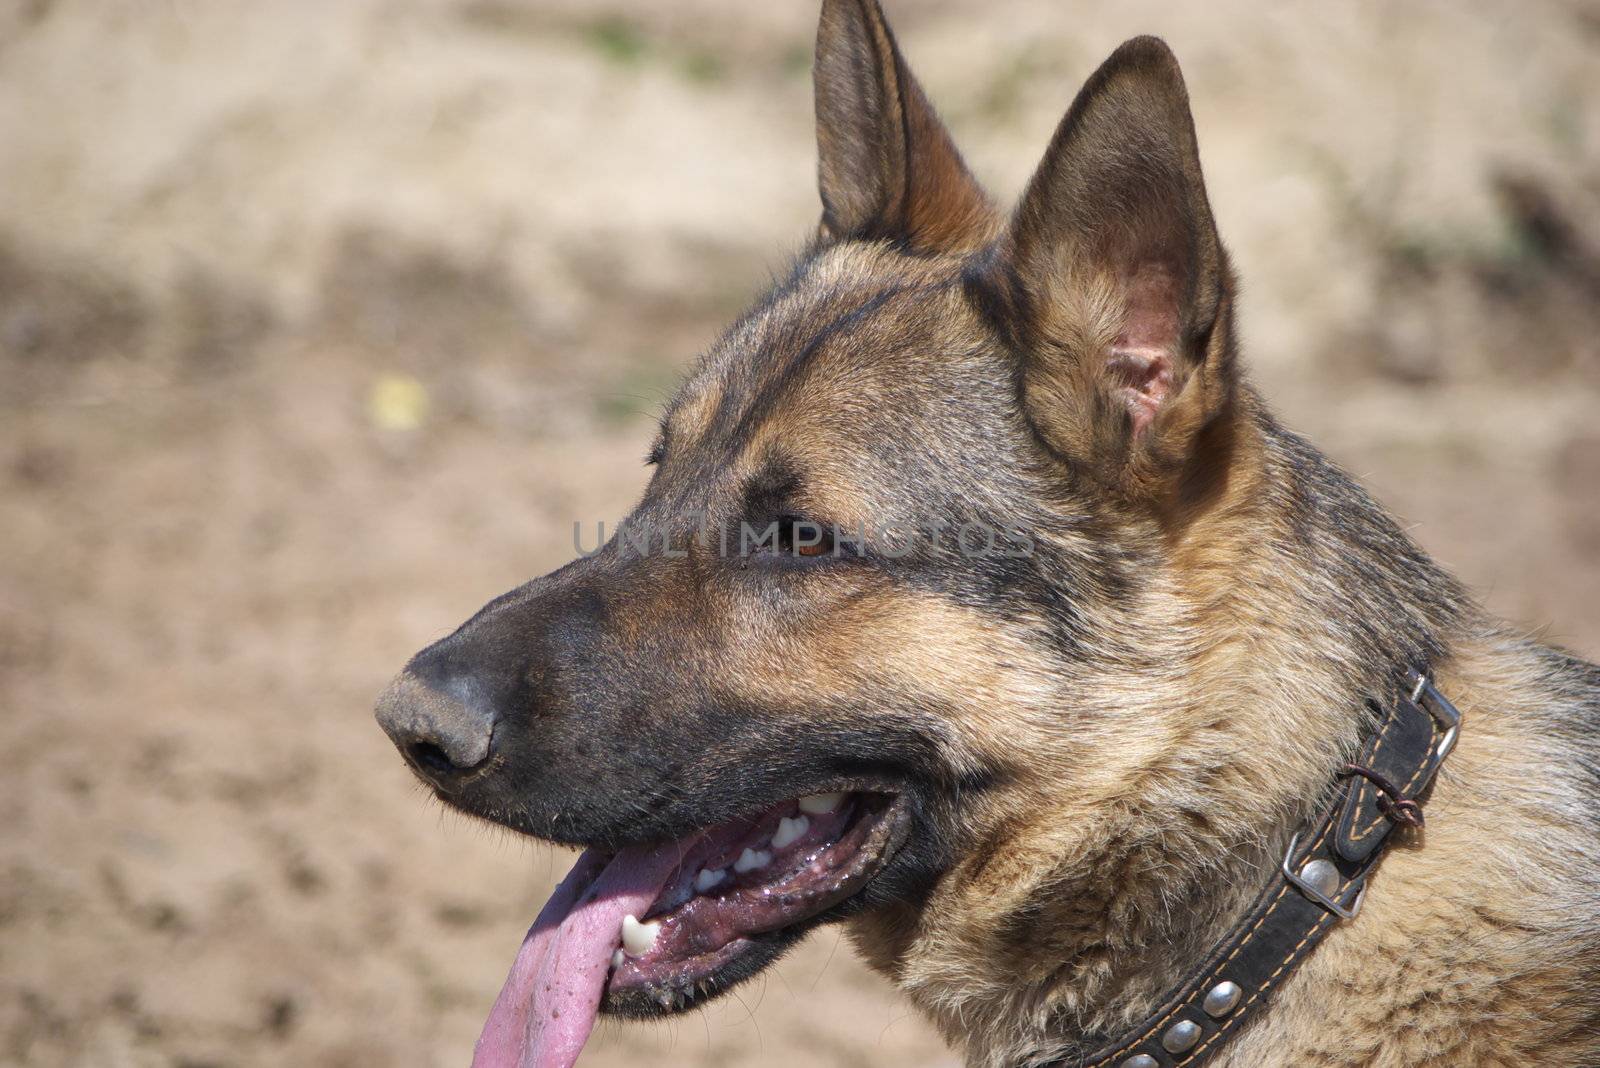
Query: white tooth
{"type": "Point", "coordinates": [709, 878]}
{"type": "Point", "coordinates": [820, 804]}
{"type": "Point", "coordinates": [752, 859]}
{"type": "Point", "coordinates": [617, 958]}
{"type": "Point", "coordinates": [638, 938]}
{"type": "Point", "coordinates": [789, 830]}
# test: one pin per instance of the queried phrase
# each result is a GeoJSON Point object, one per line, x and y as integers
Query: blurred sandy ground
{"type": "Point", "coordinates": [320, 324]}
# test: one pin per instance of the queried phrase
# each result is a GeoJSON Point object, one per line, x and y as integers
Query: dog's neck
{"type": "Point", "coordinates": [1112, 900]}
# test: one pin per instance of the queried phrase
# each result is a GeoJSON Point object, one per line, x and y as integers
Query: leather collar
{"type": "Point", "coordinates": [1321, 883]}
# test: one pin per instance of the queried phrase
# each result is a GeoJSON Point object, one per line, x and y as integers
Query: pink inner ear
{"type": "Point", "coordinates": [1140, 361]}
{"type": "Point", "coordinates": [1144, 378]}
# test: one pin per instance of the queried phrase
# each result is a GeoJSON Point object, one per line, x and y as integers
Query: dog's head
{"type": "Point", "coordinates": [903, 578]}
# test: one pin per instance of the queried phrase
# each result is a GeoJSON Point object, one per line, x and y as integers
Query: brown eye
{"type": "Point", "coordinates": [821, 548]}
{"type": "Point", "coordinates": [802, 537]}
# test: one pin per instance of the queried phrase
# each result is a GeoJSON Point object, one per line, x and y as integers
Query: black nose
{"type": "Point", "coordinates": [443, 730]}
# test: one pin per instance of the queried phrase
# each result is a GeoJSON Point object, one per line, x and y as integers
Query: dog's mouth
{"type": "Point", "coordinates": [739, 882]}
{"type": "Point", "coordinates": [651, 930]}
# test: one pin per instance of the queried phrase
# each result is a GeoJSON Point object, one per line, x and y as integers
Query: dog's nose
{"type": "Point", "coordinates": [443, 730]}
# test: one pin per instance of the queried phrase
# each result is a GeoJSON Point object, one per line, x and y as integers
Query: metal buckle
{"type": "Point", "coordinates": [1315, 894]}
{"type": "Point", "coordinates": [1439, 707]}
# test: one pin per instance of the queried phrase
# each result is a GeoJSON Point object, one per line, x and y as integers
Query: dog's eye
{"type": "Point", "coordinates": [658, 447]}
{"type": "Point", "coordinates": [797, 537]}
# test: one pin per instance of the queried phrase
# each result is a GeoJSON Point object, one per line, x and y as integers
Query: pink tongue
{"type": "Point", "coordinates": [547, 1008]}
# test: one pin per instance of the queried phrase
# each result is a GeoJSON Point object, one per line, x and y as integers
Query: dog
{"type": "Point", "coordinates": [978, 602]}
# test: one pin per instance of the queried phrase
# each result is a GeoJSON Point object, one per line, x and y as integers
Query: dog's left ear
{"type": "Point", "coordinates": [886, 166]}
{"type": "Point", "coordinates": [1114, 283]}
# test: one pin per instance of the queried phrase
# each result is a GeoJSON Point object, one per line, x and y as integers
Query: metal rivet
{"type": "Point", "coordinates": [1181, 1036]}
{"type": "Point", "coordinates": [1140, 1060]}
{"type": "Point", "coordinates": [1222, 999]}
{"type": "Point", "coordinates": [1322, 876]}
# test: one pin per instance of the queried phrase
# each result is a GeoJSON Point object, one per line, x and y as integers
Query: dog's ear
{"type": "Point", "coordinates": [1113, 281]}
{"type": "Point", "coordinates": [886, 165]}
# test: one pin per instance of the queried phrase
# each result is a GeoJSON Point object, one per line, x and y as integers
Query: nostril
{"type": "Point", "coordinates": [430, 757]}
{"type": "Point", "coordinates": [443, 735]}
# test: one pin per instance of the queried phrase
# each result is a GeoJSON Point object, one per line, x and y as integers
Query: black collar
{"type": "Point", "coordinates": [1321, 882]}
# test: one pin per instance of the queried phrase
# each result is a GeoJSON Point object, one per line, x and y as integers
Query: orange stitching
{"type": "Point", "coordinates": [1361, 789]}
{"type": "Point", "coordinates": [1426, 763]}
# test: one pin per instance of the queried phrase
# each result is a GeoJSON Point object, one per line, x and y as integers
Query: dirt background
{"type": "Point", "coordinates": [321, 323]}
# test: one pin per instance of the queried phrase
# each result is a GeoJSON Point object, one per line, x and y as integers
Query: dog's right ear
{"type": "Point", "coordinates": [886, 165]}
